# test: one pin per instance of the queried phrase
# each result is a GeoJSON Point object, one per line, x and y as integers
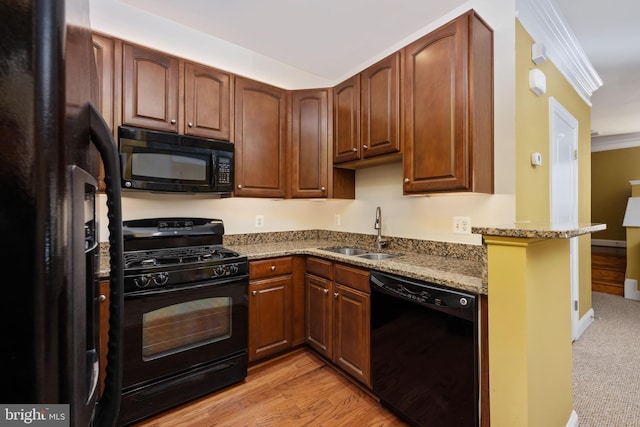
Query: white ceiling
{"type": "Point", "coordinates": [332, 38]}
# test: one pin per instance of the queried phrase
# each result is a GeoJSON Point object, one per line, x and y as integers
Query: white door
{"type": "Point", "coordinates": [564, 188]}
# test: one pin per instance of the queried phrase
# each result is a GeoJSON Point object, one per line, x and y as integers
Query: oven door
{"type": "Point", "coordinates": [168, 331]}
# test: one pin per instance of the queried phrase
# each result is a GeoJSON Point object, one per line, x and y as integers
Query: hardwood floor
{"type": "Point", "coordinates": [299, 389]}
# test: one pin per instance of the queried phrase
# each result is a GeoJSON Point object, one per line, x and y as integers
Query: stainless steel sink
{"type": "Point", "coordinates": [377, 256]}
{"type": "Point", "coordinates": [347, 251]}
{"type": "Point", "coordinates": [360, 253]}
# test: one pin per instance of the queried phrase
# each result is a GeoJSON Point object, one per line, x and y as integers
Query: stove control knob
{"type": "Point", "coordinates": [219, 271]}
{"type": "Point", "coordinates": [160, 279]}
{"type": "Point", "coordinates": [233, 268]}
{"type": "Point", "coordinates": [141, 281]}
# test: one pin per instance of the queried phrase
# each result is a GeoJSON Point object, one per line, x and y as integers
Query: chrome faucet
{"type": "Point", "coordinates": [380, 242]}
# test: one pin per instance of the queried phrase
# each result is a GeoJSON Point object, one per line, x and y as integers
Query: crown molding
{"type": "Point", "coordinates": [615, 142]}
{"type": "Point", "coordinates": [544, 22]}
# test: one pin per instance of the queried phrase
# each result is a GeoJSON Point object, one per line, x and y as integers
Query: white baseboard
{"type": "Point", "coordinates": [573, 420]}
{"type": "Point", "coordinates": [606, 242]}
{"type": "Point", "coordinates": [631, 289]}
{"type": "Point", "coordinates": [584, 323]}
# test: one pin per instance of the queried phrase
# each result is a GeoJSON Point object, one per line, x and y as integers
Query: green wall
{"type": "Point", "coordinates": [611, 172]}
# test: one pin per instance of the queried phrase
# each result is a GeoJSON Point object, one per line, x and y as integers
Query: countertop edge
{"type": "Point", "coordinates": [538, 231]}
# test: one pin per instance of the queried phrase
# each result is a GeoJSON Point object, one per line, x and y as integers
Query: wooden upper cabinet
{"type": "Point", "coordinates": [346, 120]}
{"type": "Point", "coordinates": [380, 107]}
{"type": "Point", "coordinates": [260, 139]}
{"type": "Point", "coordinates": [207, 102]}
{"type": "Point", "coordinates": [448, 109]}
{"type": "Point", "coordinates": [104, 54]}
{"type": "Point", "coordinates": [309, 143]}
{"type": "Point", "coordinates": [150, 88]}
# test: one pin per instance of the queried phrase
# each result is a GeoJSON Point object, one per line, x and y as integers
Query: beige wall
{"type": "Point", "coordinates": [611, 172]}
{"type": "Point", "coordinates": [532, 135]}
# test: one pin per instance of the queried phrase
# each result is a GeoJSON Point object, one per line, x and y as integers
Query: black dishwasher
{"type": "Point", "coordinates": [424, 351]}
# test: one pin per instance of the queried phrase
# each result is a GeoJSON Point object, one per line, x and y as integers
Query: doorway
{"type": "Point", "coordinates": [563, 137]}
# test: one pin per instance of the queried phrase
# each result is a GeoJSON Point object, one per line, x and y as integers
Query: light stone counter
{"type": "Point", "coordinates": [538, 230]}
{"type": "Point", "coordinates": [458, 266]}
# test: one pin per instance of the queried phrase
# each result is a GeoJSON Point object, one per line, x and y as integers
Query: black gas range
{"type": "Point", "coordinates": [164, 252]}
{"type": "Point", "coordinates": [186, 314]}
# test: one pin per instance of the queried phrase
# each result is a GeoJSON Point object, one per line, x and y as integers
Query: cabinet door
{"type": "Point", "coordinates": [104, 328]}
{"type": "Point", "coordinates": [380, 107]}
{"type": "Point", "coordinates": [319, 313]}
{"type": "Point", "coordinates": [104, 54]}
{"type": "Point", "coordinates": [207, 102]}
{"type": "Point", "coordinates": [150, 89]}
{"type": "Point", "coordinates": [260, 138]}
{"type": "Point", "coordinates": [448, 109]}
{"type": "Point", "coordinates": [351, 344]}
{"type": "Point", "coordinates": [309, 143]}
{"type": "Point", "coordinates": [346, 120]}
{"type": "Point", "coordinates": [269, 316]}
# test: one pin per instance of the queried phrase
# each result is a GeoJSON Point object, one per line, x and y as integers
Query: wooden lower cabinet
{"type": "Point", "coordinates": [276, 310]}
{"type": "Point", "coordinates": [338, 315]}
{"type": "Point", "coordinates": [104, 287]}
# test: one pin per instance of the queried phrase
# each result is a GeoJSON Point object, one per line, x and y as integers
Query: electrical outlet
{"type": "Point", "coordinates": [336, 219]}
{"type": "Point", "coordinates": [462, 225]}
{"type": "Point", "coordinates": [259, 221]}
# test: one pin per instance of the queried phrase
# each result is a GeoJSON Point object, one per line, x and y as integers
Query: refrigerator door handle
{"type": "Point", "coordinates": [109, 403]}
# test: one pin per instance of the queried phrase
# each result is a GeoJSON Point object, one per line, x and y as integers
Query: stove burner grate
{"type": "Point", "coordinates": [173, 256]}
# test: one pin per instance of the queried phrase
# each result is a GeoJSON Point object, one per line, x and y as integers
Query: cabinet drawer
{"type": "Point", "coordinates": [320, 267]}
{"type": "Point", "coordinates": [270, 267]}
{"type": "Point", "coordinates": [351, 276]}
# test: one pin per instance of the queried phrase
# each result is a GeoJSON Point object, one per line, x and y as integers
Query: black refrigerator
{"type": "Point", "coordinates": [52, 141]}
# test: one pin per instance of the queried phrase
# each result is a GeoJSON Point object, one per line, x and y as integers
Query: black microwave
{"type": "Point", "coordinates": [167, 162]}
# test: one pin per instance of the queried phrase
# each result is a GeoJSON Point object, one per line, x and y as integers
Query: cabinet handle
{"type": "Point", "coordinates": [173, 121]}
{"type": "Point", "coordinates": [407, 180]}
{"type": "Point", "coordinates": [273, 268]}
{"type": "Point", "coordinates": [366, 147]}
{"type": "Point", "coordinates": [240, 186]}
{"type": "Point", "coordinates": [102, 298]}
{"type": "Point", "coordinates": [354, 149]}
{"type": "Point", "coordinates": [335, 295]}
{"type": "Point", "coordinates": [323, 189]}
{"type": "Point", "coordinates": [254, 293]}
{"type": "Point", "coordinates": [326, 291]}
{"type": "Point", "coordinates": [190, 124]}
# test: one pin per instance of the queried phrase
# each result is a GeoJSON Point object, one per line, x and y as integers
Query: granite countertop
{"type": "Point", "coordinates": [454, 265]}
{"type": "Point", "coordinates": [539, 230]}
{"type": "Point", "coordinates": [458, 266]}
{"type": "Point", "coordinates": [457, 273]}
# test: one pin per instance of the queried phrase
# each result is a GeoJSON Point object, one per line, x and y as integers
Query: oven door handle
{"type": "Point", "coordinates": [109, 403]}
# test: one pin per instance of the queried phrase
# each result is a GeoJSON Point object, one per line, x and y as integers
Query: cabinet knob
{"type": "Point", "coordinates": [273, 268]}
{"type": "Point", "coordinates": [335, 295]}
{"type": "Point", "coordinates": [323, 189]}
{"type": "Point", "coordinates": [173, 121]}
{"type": "Point", "coordinates": [407, 180]}
{"type": "Point", "coordinates": [240, 186]}
{"type": "Point", "coordinates": [254, 293]}
{"type": "Point", "coordinates": [190, 124]}
{"type": "Point", "coordinates": [326, 291]}
{"type": "Point", "coordinates": [102, 298]}
{"type": "Point", "coordinates": [366, 147]}
{"type": "Point", "coordinates": [354, 149]}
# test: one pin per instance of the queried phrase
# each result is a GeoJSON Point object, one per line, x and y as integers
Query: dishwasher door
{"type": "Point", "coordinates": [424, 351]}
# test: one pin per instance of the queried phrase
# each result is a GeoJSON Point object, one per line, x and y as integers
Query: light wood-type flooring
{"type": "Point", "coordinates": [298, 389]}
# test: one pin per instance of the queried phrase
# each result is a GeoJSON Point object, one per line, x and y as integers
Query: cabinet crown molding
{"type": "Point", "coordinates": [544, 22]}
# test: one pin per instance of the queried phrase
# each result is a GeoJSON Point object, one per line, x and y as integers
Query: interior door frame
{"type": "Point", "coordinates": [561, 122]}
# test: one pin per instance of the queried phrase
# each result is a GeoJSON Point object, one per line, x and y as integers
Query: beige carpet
{"type": "Point", "coordinates": [606, 365]}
